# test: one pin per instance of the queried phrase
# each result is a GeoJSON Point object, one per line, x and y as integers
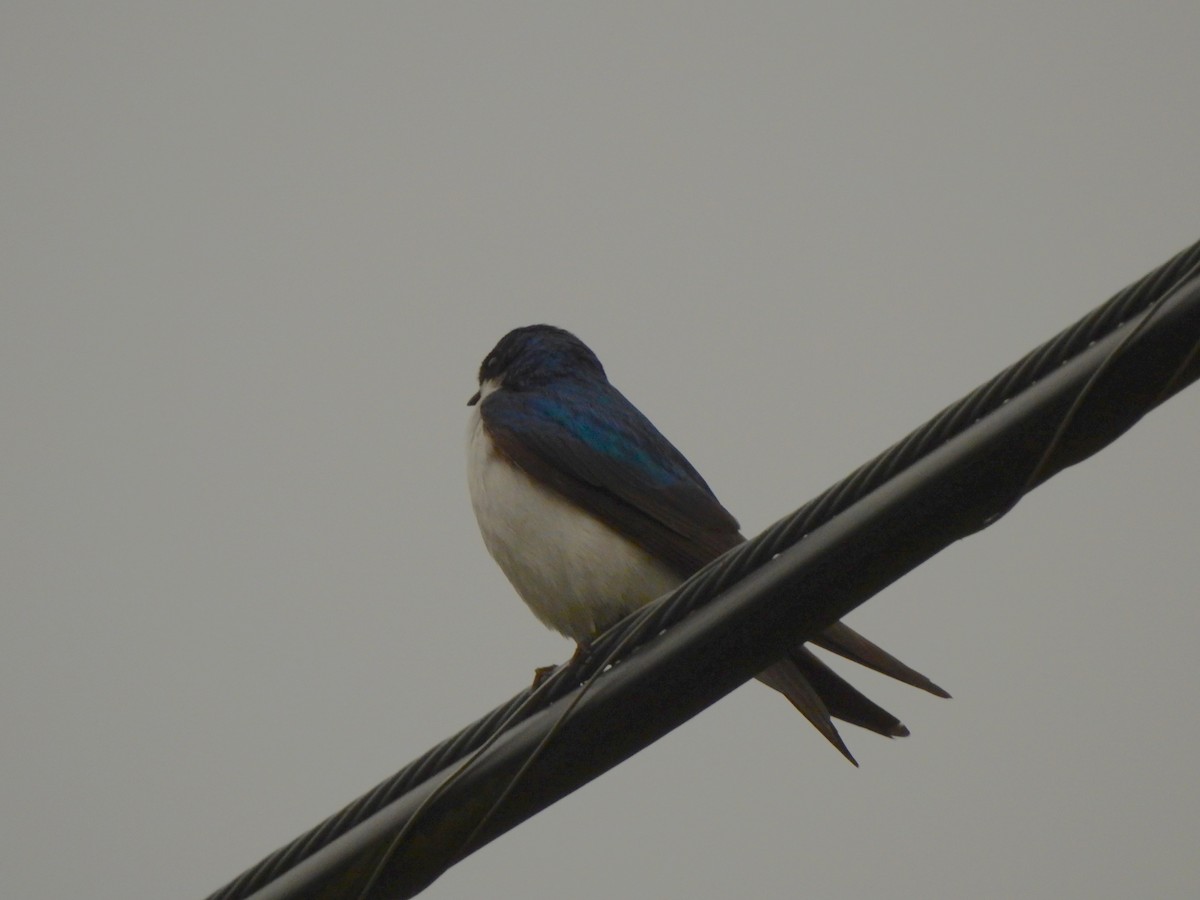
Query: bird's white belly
{"type": "Point", "coordinates": [575, 573]}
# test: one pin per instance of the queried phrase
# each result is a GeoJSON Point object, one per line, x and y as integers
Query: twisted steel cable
{"type": "Point", "coordinates": [625, 637]}
{"type": "Point", "coordinates": [951, 421]}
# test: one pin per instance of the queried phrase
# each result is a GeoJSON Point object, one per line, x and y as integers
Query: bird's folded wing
{"type": "Point", "coordinates": [610, 460]}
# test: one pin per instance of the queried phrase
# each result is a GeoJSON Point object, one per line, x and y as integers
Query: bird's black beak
{"type": "Point", "coordinates": [474, 399]}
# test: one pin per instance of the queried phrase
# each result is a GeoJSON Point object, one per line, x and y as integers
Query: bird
{"type": "Point", "coordinates": [592, 513]}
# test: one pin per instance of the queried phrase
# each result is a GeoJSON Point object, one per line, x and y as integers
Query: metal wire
{"type": "Point", "coordinates": [950, 422]}
{"type": "Point", "coordinates": [713, 579]}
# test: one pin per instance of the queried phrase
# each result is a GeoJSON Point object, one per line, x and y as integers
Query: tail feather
{"type": "Point", "coordinates": [843, 700]}
{"type": "Point", "coordinates": [786, 677]}
{"type": "Point", "coordinates": [843, 640]}
{"type": "Point", "coordinates": [822, 695]}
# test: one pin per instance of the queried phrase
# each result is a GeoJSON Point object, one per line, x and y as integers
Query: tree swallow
{"type": "Point", "coordinates": [592, 513]}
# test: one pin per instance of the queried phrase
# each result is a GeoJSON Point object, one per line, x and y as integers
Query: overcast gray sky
{"type": "Point", "coordinates": [254, 254]}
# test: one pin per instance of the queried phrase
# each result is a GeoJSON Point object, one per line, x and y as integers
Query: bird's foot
{"type": "Point", "coordinates": [541, 673]}
{"type": "Point", "coordinates": [579, 657]}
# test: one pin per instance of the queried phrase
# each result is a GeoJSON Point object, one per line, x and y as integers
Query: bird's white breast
{"type": "Point", "coordinates": [575, 573]}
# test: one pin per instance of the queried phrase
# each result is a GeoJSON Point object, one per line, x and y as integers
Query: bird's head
{"type": "Point", "coordinates": [534, 356]}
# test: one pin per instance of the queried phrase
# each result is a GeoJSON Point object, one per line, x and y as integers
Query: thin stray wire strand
{"type": "Point", "coordinates": [732, 566]}
{"type": "Point", "coordinates": [1115, 354]}
{"type": "Point", "coordinates": [398, 841]}
{"type": "Point", "coordinates": [467, 762]}
{"type": "Point", "coordinates": [632, 637]}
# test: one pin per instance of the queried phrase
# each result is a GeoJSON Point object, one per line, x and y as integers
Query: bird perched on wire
{"type": "Point", "coordinates": [592, 513]}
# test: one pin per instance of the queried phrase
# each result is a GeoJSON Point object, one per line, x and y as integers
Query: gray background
{"type": "Point", "coordinates": [253, 255]}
